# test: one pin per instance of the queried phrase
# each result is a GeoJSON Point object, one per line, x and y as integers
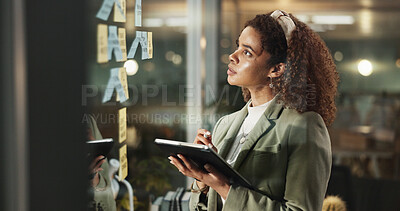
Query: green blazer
{"type": "Point", "coordinates": [287, 157]}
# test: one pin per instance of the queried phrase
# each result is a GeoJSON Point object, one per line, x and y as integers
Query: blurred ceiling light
{"type": "Point", "coordinates": [153, 22]}
{"type": "Point", "coordinates": [398, 63]}
{"type": "Point", "coordinates": [169, 55]}
{"type": "Point", "coordinates": [333, 19]}
{"type": "Point", "coordinates": [225, 58]}
{"type": "Point", "coordinates": [338, 56]}
{"type": "Point", "coordinates": [365, 67]}
{"type": "Point", "coordinates": [225, 43]}
{"type": "Point", "coordinates": [177, 59]}
{"type": "Point", "coordinates": [176, 21]}
{"type": "Point", "coordinates": [203, 43]}
{"type": "Point", "coordinates": [131, 67]}
{"type": "Point", "coordinates": [366, 22]}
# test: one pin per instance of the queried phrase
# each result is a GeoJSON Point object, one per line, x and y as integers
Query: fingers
{"type": "Point", "coordinates": [200, 139]}
{"type": "Point", "coordinates": [186, 167]}
{"type": "Point", "coordinates": [188, 163]}
{"type": "Point", "coordinates": [100, 162]}
{"type": "Point", "coordinates": [177, 163]}
{"type": "Point", "coordinates": [96, 160]}
{"type": "Point", "coordinates": [214, 172]}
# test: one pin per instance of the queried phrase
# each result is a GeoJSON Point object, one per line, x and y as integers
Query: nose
{"type": "Point", "coordinates": [233, 58]}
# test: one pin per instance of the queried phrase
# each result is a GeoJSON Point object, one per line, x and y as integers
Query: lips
{"type": "Point", "coordinates": [230, 71]}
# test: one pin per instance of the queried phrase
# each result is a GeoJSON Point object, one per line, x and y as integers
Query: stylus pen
{"type": "Point", "coordinates": [207, 135]}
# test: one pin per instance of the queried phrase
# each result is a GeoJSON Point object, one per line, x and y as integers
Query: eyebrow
{"type": "Point", "coordinates": [248, 46]}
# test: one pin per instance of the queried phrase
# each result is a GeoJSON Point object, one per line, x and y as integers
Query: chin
{"type": "Point", "coordinates": [230, 81]}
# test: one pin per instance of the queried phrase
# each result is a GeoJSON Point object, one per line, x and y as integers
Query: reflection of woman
{"type": "Point", "coordinates": [101, 195]}
{"type": "Point", "coordinates": [279, 140]}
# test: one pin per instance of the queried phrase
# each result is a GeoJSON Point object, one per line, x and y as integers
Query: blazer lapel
{"type": "Point", "coordinates": [233, 130]}
{"type": "Point", "coordinates": [263, 126]}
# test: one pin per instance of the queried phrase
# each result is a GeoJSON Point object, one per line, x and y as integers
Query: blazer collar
{"type": "Point", "coordinates": [263, 126]}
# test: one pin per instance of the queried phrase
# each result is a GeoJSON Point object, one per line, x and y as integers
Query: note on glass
{"type": "Point", "coordinates": [138, 13]}
{"type": "Point", "coordinates": [122, 76]}
{"type": "Point", "coordinates": [113, 44]}
{"type": "Point", "coordinates": [122, 124]}
{"type": "Point", "coordinates": [114, 83]}
{"type": "Point", "coordinates": [142, 38]}
{"type": "Point", "coordinates": [105, 10]}
{"type": "Point", "coordinates": [102, 43]}
{"type": "Point", "coordinates": [120, 11]}
{"type": "Point", "coordinates": [150, 44]}
{"type": "Point", "coordinates": [123, 160]}
{"type": "Point", "coordinates": [122, 42]}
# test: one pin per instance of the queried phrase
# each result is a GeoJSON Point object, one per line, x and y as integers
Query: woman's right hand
{"type": "Point", "coordinates": [200, 139]}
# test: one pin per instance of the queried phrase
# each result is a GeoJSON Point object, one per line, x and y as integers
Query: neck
{"type": "Point", "coordinates": [260, 95]}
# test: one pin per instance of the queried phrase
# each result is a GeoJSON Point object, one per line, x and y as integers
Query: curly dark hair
{"type": "Point", "coordinates": [309, 82]}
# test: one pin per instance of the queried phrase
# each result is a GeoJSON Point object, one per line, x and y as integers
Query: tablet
{"type": "Point", "coordinates": [99, 147]}
{"type": "Point", "coordinates": [201, 155]}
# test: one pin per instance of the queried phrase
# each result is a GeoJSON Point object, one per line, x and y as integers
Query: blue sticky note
{"type": "Point", "coordinates": [141, 38]}
{"type": "Point", "coordinates": [114, 83]}
{"type": "Point", "coordinates": [138, 13]}
{"type": "Point", "coordinates": [105, 10]}
{"type": "Point", "coordinates": [113, 44]}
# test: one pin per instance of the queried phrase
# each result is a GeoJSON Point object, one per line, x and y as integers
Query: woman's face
{"type": "Point", "coordinates": [248, 64]}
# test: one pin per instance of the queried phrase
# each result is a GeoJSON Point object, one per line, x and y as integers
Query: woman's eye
{"type": "Point", "coordinates": [247, 53]}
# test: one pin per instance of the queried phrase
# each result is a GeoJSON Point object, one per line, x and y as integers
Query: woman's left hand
{"type": "Point", "coordinates": [212, 177]}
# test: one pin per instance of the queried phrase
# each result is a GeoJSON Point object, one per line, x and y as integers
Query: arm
{"type": "Point", "coordinates": [308, 170]}
{"type": "Point", "coordinates": [198, 201]}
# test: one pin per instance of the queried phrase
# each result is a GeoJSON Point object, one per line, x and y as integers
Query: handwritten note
{"type": "Point", "coordinates": [122, 42]}
{"type": "Point", "coordinates": [120, 11]}
{"type": "Point", "coordinates": [123, 168]}
{"type": "Point", "coordinates": [102, 43]}
{"type": "Point", "coordinates": [150, 45]}
{"type": "Point", "coordinates": [114, 83]}
{"type": "Point", "coordinates": [142, 38]}
{"type": "Point", "coordinates": [138, 13]}
{"type": "Point", "coordinates": [113, 44]}
{"type": "Point", "coordinates": [122, 124]}
{"type": "Point", "coordinates": [105, 10]}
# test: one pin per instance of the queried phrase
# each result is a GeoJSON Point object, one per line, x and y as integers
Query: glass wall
{"type": "Point", "coordinates": [183, 86]}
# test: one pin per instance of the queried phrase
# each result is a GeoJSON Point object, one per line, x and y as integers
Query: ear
{"type": "Point", "coordinates": [277, 70]}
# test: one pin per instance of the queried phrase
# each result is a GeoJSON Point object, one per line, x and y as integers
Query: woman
{"type": "Point", "coordinates": [279, 140]}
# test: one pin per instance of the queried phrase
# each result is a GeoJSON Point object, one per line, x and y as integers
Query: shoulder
{"type": "Point", "coordinates": [293, 118]}
{"type": "Point", "coordinates": [305, 129]}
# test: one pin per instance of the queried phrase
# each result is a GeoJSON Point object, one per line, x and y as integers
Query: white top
{"type": "Point", "coordinates": [254, 114]}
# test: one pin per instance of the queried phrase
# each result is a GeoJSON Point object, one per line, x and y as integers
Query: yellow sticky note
{"type": "Point", "coordinates": [120, 11]}
{"type": "Point", "coordinates": [150, 44]}
{"type": "Point", "coordinates": [122, 42]}
{"type": "Point", "coordinates": [122, 124]}
{"type": "Point", "coordinates": [102, 40]}
{"type": "Point", "coordinates": [123, 161]}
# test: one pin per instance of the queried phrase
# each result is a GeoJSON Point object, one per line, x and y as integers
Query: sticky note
{"type": "Point", "coordinates": [122, 76]}
{"type": "Point", "coordinates": [120, 11]}
{"type": "Point", "coordinates": [143, 44]}
{"type": "Point", "coordinates": [113, 44]}
{"type": "Point", "coordinates": [122, 124]}
{"type": "Point", "coordinates": [142, 39]}
{"type": "Point", "coordinates": [114, 83]}
{"type": "Point", "coordinates": [105, 10]}
{"type": "Point", "coordinates": [150, 44]}
{"type": "Point", "coordinates": [102, 43]}
{"type": "Point", "coordinates": [138, 13]}
{"type": "Point", "coordinates": [124, 81]}
{"type": "Point", "coordinates": [122, 42]}
{"type": "Point", "coordinates": [123, 161]}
